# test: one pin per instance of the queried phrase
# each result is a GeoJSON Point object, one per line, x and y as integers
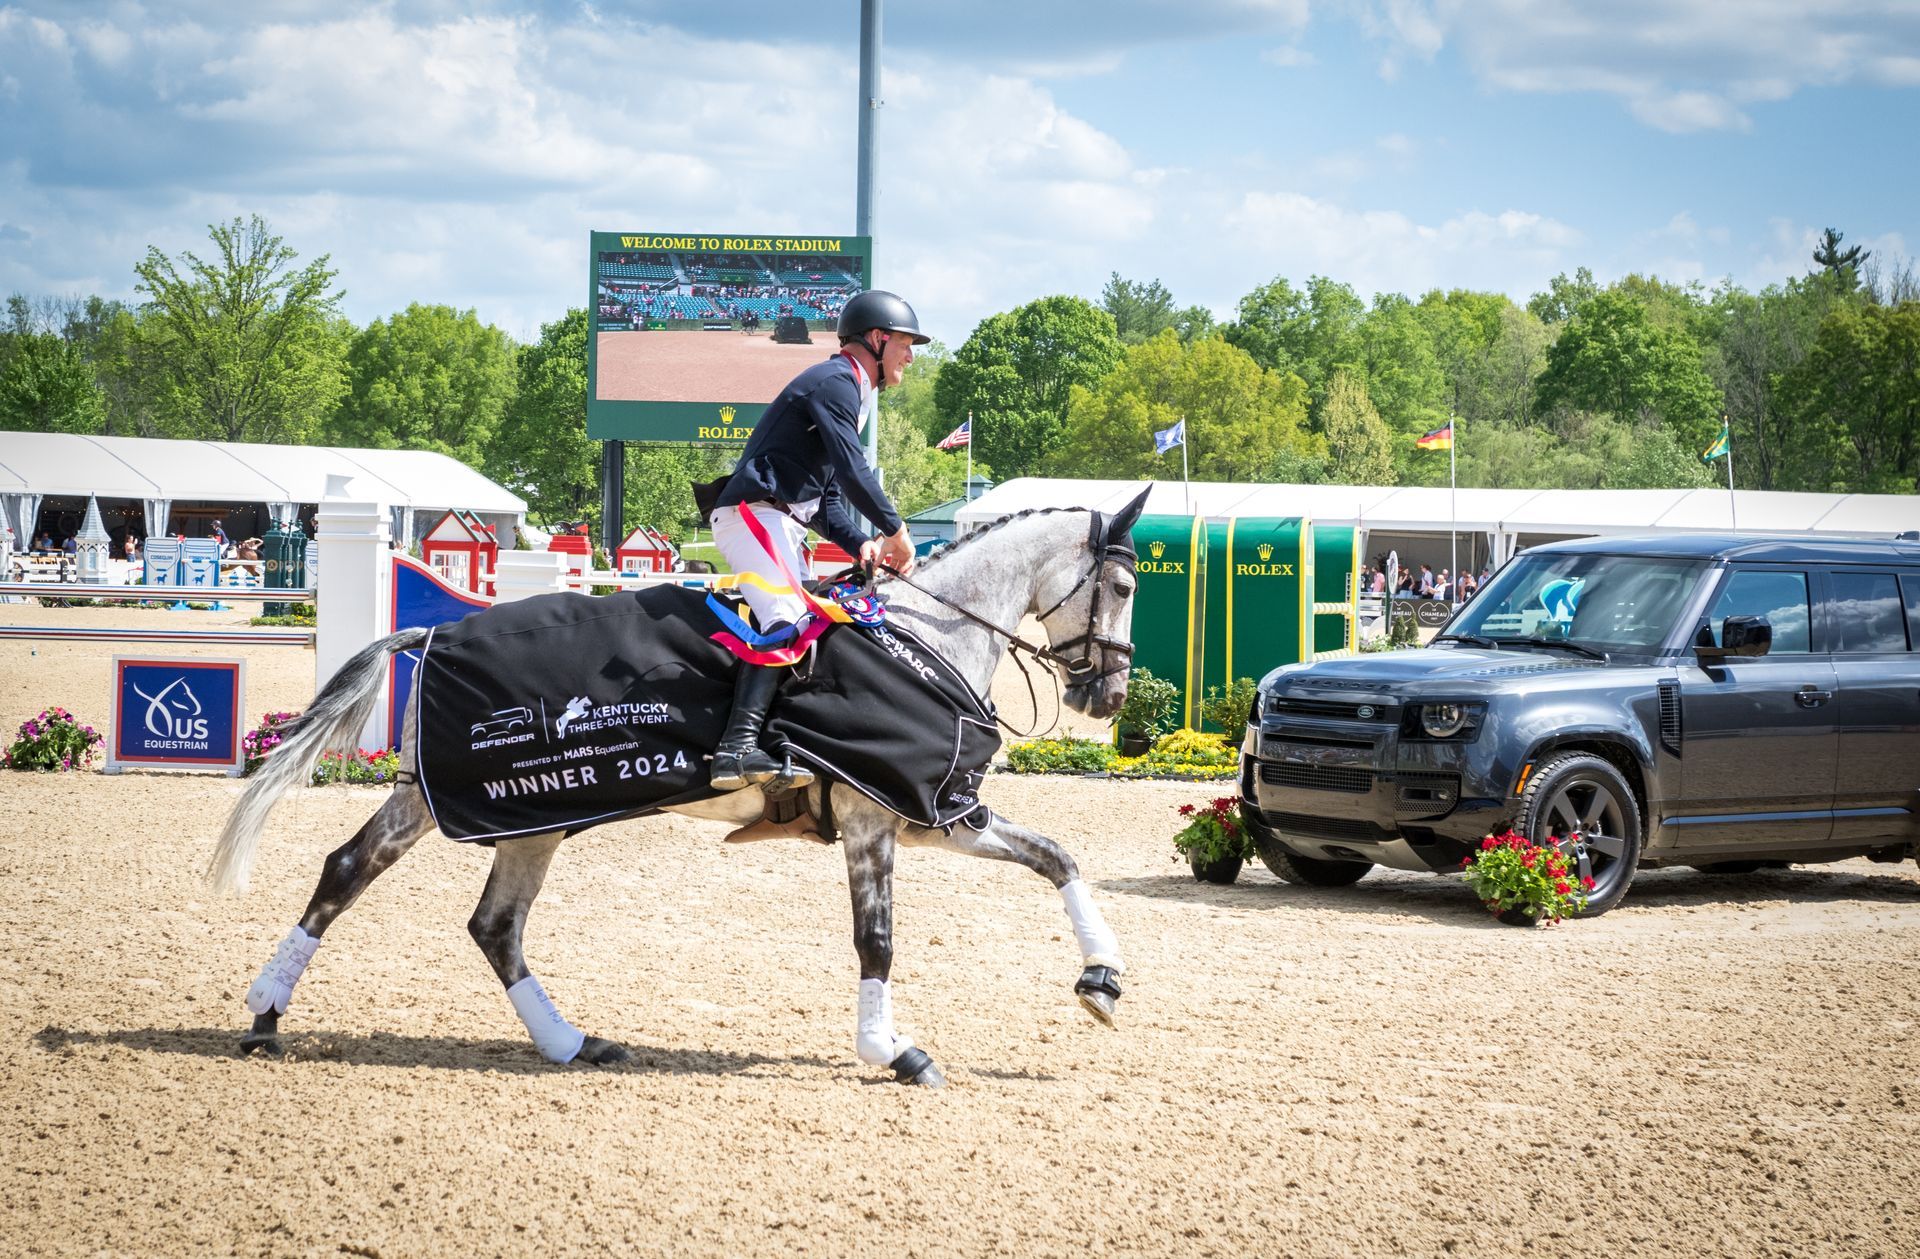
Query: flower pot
{"type": "Point", "coordinates": [1132, 744]}
{"type": "Point", "coordinates": [1222, 870]}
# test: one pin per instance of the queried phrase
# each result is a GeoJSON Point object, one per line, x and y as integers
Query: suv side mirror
{"type": "Point", "coordinates": [1739, 636]}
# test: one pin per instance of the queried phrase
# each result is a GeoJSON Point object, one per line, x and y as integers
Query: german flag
{"type": "Point", "coordinates": [1439, 439]}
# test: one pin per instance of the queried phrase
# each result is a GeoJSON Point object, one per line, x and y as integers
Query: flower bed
{"type": "Point", "coordinates": [1187, 755]}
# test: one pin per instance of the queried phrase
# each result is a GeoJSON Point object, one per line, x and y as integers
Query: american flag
{"type": "Point", "coordinates": [961, 436]}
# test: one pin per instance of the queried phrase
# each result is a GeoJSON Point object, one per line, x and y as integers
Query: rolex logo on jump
{"type": "Point", "coordinates": [1156, 549]}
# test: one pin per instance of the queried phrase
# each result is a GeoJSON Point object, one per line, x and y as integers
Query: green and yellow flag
{"type": "Point", "coordinates": [1719, 446]}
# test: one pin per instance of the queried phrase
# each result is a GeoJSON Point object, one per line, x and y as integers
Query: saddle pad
{"type": "Point", "coordinates": [564, 711]}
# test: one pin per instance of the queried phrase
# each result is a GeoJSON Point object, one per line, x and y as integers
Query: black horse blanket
{"type": "Point", "coordinates": [564, 711]}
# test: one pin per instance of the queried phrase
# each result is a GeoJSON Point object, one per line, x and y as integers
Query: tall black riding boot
{"type": "Point", "coordinates": [739, 761]}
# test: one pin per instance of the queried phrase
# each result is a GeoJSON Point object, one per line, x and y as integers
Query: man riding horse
{"type": "Point", "coordinates": [801, 467]}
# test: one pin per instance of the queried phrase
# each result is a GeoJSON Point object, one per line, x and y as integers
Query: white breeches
{"type": "Point", "coordinates": [768, 592]}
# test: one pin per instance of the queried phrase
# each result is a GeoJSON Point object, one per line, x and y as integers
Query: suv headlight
{"type": "Point", "coordinates": [1445, 719]}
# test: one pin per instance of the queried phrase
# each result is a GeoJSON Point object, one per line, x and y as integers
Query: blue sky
{"type": "Point", "coordinates": [461, 152]}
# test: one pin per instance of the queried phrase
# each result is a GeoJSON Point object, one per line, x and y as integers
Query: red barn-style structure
{"type": "Point", "coordinates": [646, 550]}
{"type": "Point", "coordinates": [461, 550]}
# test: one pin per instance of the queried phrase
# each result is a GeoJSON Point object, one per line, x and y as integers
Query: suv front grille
{"type": "Point", "coordinates": [1339, 709]}
{"type": "Point", "coordinates": [1318, 777]}
{"type": "Point", "coordinates": [1310, 827]}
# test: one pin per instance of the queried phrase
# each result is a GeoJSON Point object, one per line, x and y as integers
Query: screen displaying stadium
{"type": "Point", "coordinates": [692, 334]}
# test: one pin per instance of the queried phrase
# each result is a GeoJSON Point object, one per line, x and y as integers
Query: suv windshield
{"type": "Point", "coordinates": [1617, 603]}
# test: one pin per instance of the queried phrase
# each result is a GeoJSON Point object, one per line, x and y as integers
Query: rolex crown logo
{"type": "Point", "coordinates": [1266, 551]}
{"type": "Point", "coordinates": [726, 415]}
{"type": "Point", "coordinates": [1157, 549]}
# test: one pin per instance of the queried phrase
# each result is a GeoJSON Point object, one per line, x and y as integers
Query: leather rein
{"type": "Point", "coordinates": [1080, 668]}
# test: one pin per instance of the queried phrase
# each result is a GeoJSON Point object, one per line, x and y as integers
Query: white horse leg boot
{"type": "Point", "coordinates": [274, 988]}
{"type": "Point", "coordinates": [555, 1038]}
{"type": "Point", "coordinates": [879, 1046]}
{"type": "Point", "coordinates": [1099, 985]}
{"type": "Point", "coordinates": [1098, 945]}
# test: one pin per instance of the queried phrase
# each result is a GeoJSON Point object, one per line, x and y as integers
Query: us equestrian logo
{"type": "Point", "coordinates": [176, 722]}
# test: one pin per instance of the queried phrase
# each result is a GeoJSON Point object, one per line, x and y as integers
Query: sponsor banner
{"type": "Point", "coordinates": [177, 714]}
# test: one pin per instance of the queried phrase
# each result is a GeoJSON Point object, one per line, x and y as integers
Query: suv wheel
{"type": "Point", "coordinates": [1582, 805]}
{"type": "Point", "coordinates": [1290, 867]}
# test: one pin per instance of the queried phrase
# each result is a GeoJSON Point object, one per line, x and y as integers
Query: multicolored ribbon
{"type": "Point", "coordinates": [757, 648]}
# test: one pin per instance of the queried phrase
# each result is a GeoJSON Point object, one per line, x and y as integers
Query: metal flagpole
{"type": "Point", "coordinates": [1186, 487]}
{"type": "Point", "coordinates": [966, 491]}
{"type": "Point", "coordinates": [1733, 506]}
{"type": "Point", "coordinates": [1453, 508]}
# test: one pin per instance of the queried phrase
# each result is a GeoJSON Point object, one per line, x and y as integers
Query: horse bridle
{"type": "Point", "coordinates": [1080, 668]}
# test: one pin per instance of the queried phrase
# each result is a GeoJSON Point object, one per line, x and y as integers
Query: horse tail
{"type": "Point", "coordinates": [331, 724]}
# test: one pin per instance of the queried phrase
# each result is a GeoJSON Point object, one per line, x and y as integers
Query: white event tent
{"type": "Point", "coordinates": [1417, 521]}
{"type": "Point", "coordinates": [168, 486]}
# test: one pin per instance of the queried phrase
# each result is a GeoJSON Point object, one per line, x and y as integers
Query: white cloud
{"type": "Point", "coordinates": [1676, 67]}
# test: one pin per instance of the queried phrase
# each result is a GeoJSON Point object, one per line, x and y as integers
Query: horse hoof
{"type": "Point", "coordinates": [1099, 991]}
{"type": "Point", "coordinates": [266, 1046]}
{"type": "Point", "coordinates": [915, 1066]}
{"type": "Point", "coordinates": [602, 1053]}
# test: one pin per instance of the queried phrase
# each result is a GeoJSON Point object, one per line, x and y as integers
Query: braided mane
{"type": "Point", "coordinates": [941, 552]}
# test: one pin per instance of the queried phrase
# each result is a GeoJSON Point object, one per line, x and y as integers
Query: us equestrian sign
{"type": "Point", "coordinates": [177, 714]}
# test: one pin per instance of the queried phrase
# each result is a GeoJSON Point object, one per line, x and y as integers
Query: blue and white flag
{"type": "Point", "coordinates": [1167, 438]}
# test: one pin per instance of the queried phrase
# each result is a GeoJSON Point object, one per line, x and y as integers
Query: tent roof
{"type": "Point", "coordinates": [1421, 509]}
{"type": "Point", "coordinates": [240, 472]}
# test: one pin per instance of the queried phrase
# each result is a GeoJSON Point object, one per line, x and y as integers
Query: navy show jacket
{"type": "Point", "coordinates": [807, 446]}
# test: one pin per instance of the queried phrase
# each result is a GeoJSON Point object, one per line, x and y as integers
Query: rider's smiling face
{"type": "Point", "coordinates": [894, 357]}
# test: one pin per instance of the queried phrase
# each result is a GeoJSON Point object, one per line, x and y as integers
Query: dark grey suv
{"type": "Point", "coordinates": [1720, 701]}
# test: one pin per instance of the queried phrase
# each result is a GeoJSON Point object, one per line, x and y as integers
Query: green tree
{"type": "Point", "coordinates": [1660, 461]}
{"type": "Point", "coordinates": [541, 450]}
{"type": "Point", "coordinates": [1756, 339]}
{"type": "Point", "coordinates": [1842, 265]}
{"type": "Point", "coordinates": [429, 378]}
{"type": "Point", "coordinates": [658, 486]}
{"type": "Point", "coordinates": [1858, 392]}
{"type": "Point", "coordinates": [1016, 374]}
{"type": "Point", "coordinates": [245, 347]}
{"type": "Point", "coordinates": [47, 386]}
{"type": "Point", "coordinates": [1140, 311]}
{"type": "Point", "coordinates": [1564, 298]}
{"type": "Point", "coordinates": [1611, 358]}
{"type": "Point", "coordinates": [1402, 371]}
{"type": "Point", "coordinates": [1359, 443]}
{"type": "Point", "coordinates": [1243, 422]}
{"type": "Point", "coordinates": [46, 382]}
{"type": "Point", "coordinates": [1308, 333]}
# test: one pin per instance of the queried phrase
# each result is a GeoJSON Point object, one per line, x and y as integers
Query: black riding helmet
{"type": "Point", "coordinates": [877, 308]}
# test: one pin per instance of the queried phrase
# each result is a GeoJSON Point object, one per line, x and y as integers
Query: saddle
{"type": "Point", "coordinates": [565, 711]}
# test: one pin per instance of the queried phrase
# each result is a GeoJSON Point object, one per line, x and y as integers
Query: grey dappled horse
{"type": "Point", "coordinates": [1072, 568]}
